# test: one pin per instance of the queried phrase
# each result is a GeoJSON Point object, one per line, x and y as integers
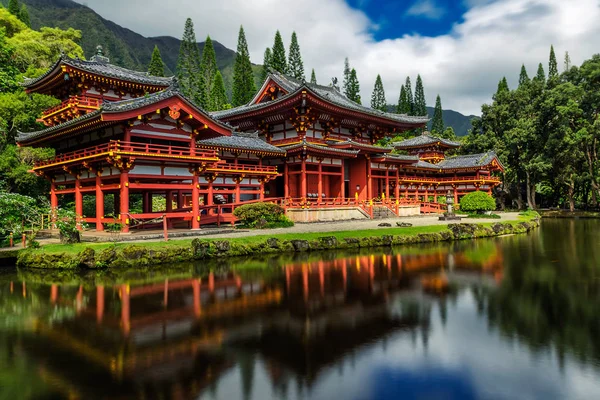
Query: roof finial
{"type": "Point", "coordinates": [99, 50]}
{"type": "Point", "coordinates": [99, 56]}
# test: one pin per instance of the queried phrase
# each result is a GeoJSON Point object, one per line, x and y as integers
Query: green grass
{"type": "Point", "coordinates": [411, 231]}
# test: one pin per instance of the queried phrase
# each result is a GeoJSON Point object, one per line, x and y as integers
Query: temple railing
{"type": "Point", "coordinates": [115, 147]}
{"type": "Point", "coordinates": [78, 103]}
{"type": "Point", "coordinates": [421, 179]}
{"type": "Point", "coordinates": [244, 168]}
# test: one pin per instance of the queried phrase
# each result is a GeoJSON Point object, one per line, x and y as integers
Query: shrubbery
{"type": "Point", "coordinates": [262, 215]}
{"type": "Point", "coordinates": [477, 202]}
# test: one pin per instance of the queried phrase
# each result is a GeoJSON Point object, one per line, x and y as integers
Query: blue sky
{"type": "Point", "coordinates": [394, 19]}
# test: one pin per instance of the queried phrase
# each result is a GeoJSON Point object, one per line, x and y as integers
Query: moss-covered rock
{"type": "Point", "coordinates": [87, 258]}
{"type": "Point", "coordinates": [300, 245]}
{"type": "Point", "coordinates": [41, 259]}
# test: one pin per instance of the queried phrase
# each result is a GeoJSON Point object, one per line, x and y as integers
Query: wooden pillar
{"type": "Point", "coordinates": [320, 183]}
{"type": "Point", "coordinates": [369, 188]}
{"type": "Point", "coordinates": [455, 195]}
{"type": "Point", "coordinates": [342, 186]}
{"type": "Point", "coordinates": [99, 303]}
{"type": "Point", "coordinates": [53, 197]}
{"type": "Point", "coordinates": [387, 183]}
{"type": "Point", "coordinates": [147, 202]}
{"type": "Point", "coordinates": [99, 203]}
{"type": "Point", "coordinates": [180, 203]}
{"type": "Point", "coordinates": [397, 187]}
{"type": "Point", "coordinates": [78, 201]}
{"type": "Point", "coordinates": [426, 194]}
{"type": "Point", "coordinates": [286, 180]}
{"type": "Point", "coordinates": [237, 189]}
{"type": "Point", "coordinates": [117, 203]}
{"type": "Point", "coordinates": [124, 200]}
{"type": "Point", "coordinates": [195, 203]}
{"type": "Point", "coordinates": [261, 187]}
{"type": "Point", "coordinates": [303, 184]}
{"type": "Point", "coordinates": [169, 196]}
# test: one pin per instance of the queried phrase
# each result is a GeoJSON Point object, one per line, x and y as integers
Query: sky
{"type": "Point", "coordinates": [460, 48]}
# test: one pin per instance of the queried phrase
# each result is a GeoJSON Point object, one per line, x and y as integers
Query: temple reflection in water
{"type": "Point", "coordinates": [174, 335]}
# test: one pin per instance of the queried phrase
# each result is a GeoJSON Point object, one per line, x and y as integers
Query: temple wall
{"type": "Point", "coordinates": [325, 214]}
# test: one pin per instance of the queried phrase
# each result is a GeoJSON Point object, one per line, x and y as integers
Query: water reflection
{"type": "Point", "coordinates": [355, 325]}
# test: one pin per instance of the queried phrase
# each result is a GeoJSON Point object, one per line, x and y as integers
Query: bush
{"type": "Point", "coordinates": [477, 202]}
{"type": "Point", "coordinates": [262, 215]}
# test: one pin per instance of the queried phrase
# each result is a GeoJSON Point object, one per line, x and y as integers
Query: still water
{"type": "Point", "coordinates": [519, 319]}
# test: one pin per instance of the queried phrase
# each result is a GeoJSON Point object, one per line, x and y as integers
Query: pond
{"type": "Point", "coordinates": [506, 318]}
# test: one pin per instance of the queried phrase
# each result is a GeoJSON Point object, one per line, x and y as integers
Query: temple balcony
{"type": "Point", "coordinates": [482, 179]}
{"type": "Point", "coordinates": [73, 107]}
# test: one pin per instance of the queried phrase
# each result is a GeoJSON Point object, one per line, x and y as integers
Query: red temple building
{"type": "Point", "coordinates": [305, 146]}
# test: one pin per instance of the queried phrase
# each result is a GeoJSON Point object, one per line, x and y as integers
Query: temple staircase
{"type": "Point", "coordinates": [382, 212]}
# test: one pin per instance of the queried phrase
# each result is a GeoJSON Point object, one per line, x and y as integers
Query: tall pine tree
{"type": "Point", "coordinates": [437, 124]}
{"type": "Point", "coordinates": [188, 67]}
{"type": "Point", "coordinates": [278, 60]}
{"type": "Point", "coordinates": [295, 65]}
{"type": "Point", "coordinates": [420, 105]}
{"type": "Point", "coordinates": [502, 86]}
{"type": "Point", "coordinates": [266, 64]}
{"type": "Point", "coordinates": [523, 77]}
{"type": "Point", "coordinates": [243, 77]}
{"type": "Point", "coordinates": [208, 66]}
{"type": "Point", "coordinates": [567, 63]}
{"type": "Point", "coordinates": [156, 66]}
{"type": "Point", "coordinates": [346, 80]}
{"type": "Point", "coordinates": [409, 96]}
{"type": "Point", "coordinates": [313, 77]}
{"type": "Point", "coordinates": [353, 87]}
{"type": "Point", "coordinates": [14, 7]}
{"type": "Point", "coordinates": [218, 96]}
{"type": "Point", "coordinates": [403, 103]}
{"type": "Point", "coordinates": [24, 16]}
{"type": "Point", "coordinates": [552, 65]}
{"type": "Point", "coordinates": [541, 75]}
{"type": "Point", "coordinates": [378, 96]}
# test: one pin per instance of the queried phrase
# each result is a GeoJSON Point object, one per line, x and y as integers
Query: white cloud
{"type": "Point", "coordinates": [463, 66]}
{"type": "Point", "coordinates": [426, 8]}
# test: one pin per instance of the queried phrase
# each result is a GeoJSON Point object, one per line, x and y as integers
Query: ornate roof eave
{"type": "Point", "coordinates": [238, 150]}
{"type": "Point", "coordinates": [120, 74]}
{"type": "Point", "coordinates": [307, 147]}
{"type": "Point", "coordinates": [367, 148]}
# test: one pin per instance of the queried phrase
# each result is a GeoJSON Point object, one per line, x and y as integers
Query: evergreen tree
{"type": "Point", "coordinates": [449, 134]}
{"type": "Point", "coordinates": [403, 103]}
{"type": "Point", "coordinates": [409, 95]}
{"type": "Point", "coordinates": [218, 96]}
{"type": "Point", "coordinates": [540, 77]}
{"type": "Point", "coordinates": [295, 65]}
{"type": "Point", "coordinates": [208, 66]}
{"type": "Point", "coordinates": [502, 86]}
{"type": "Point", "coordinates": [266, 64]}
{"type": "Point", "coordinates": [24, 16]}
{"type": "Point", "coordinates": [353, 87]}
{"type": "Point", "coordinates": [278, 60]}
{"type": "Point", "coordinates": [567, 64]}
{"type": "Point", "coordinates": [14, 7]}
{"type": "Point", "coordinates": [346, 81]}
{"type": "Point", "coordinates": [523, 77]}
{"type": "Point", "coordinates": [188, 67]}
{"type": "Point", "coordinates": [552, 65]}
{"type": "Point", "coordinates": [156, 66]}
{"type": "Point", "coordinates": [437, 124]}
{"type": "Point", "coordinates": [313, 77]}
{"type": "Point", "coordinates": [378, 96]}
{"type": "Point", "coordinates": [420, 105]}
{"type": "Point", "coordinates": [243, 76]}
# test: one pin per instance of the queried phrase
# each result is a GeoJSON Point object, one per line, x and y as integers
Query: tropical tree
{"type": "Point", "coordinates": [266, 63]}
{"type": "Point", "coordinates": [243, 76]}
{"type": "Point", "coordinates": [353, 87]}
{"type": "Point", "coordinates": [208, 66]}
{"type": "Point", "coordinates": [313, 77]}
{"type": "Point", "coordinates": [403, 104]}
{"type": "Point", "coordinates": [420, 105]}
{"type": "Point", "coordinates": [295, 64]}
{"type": "Point", "coordinates": [278, 61]}
{"type": "Point", "coordinates": [409, 95]}
{"type": "Point", "coordinates": [188, 67]}
{"type": "Point", "coordinates": [156, 66]}
{"type": "Point", "coordinates": [218, 96]}
{"type": "Point", "coordinates": [437, 124]}
{"type": "Point", "coordinates": [378, 101]}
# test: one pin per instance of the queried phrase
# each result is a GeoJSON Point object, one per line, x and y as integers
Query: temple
{"type": "Point", "coordinates": [305, 146]}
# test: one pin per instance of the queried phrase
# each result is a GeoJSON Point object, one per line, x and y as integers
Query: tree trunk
{"type": "Point", "coordinates": [519, 197]}
{"type": "Point", "coordinates": [532, 194]}
{"type": "Point", "coordinates": [571, 195]}
{"type": "Point", "coordinates": [590, 158]}
{"type": "Point", "coordinates": [528, 193]}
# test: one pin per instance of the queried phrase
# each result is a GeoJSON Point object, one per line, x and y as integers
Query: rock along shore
{"type": "Point", "coordinates": [136, 255]}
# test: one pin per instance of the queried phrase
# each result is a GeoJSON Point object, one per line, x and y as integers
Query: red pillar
{"type": "Point", "coordinates": [303, 187]}
{"type": "Point", "coordinates": [397, 187]}
{"type": "Point", "coordinates": [169, 196]}
{"type": "Point", "coordinates": [180, 203]}
{"type": "Point", "coordinates": [261, 195]}
{"type": "Point", "coordinates": [369, 184]}
{"type": "Point", "coordinates": [146, 202]}
{"type": "Point", "coordinates": [124, 200]}
{"type": "Point", "coordinates": [286, 181]}
{"type": "Point", "coordinates": [320, 184]}
{"type": "Point", "coordinates": [342, 189]}
{"type": "Point", "coordinates": [53, 197]}
{"type": "Point", "coordinates": [78, 201]}
{"type": "Point", "coordinates": [99, 203]}
{"type": "Point", "coordinates": [195, 203]}
{"type": "Point", "coordinates": [455, 195]}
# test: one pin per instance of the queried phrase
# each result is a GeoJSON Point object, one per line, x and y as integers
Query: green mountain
{"type": "Point", "coordinates": [459, 122]}
{"type": "Point", "coordinates": [123, 46]}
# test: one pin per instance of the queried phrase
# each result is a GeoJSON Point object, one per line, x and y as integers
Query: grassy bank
{"type": "Point", "coordinates": [570, 214]}
{"type": "Point", "coordinates": [102, 255]}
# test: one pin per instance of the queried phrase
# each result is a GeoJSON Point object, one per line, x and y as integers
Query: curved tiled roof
{"type": "Point", "coordinates": [243, 141]}
{"type": "Point", "coordinates": [424, 140]}
{"type": "Point", "coordinates": [109, 107]}
{"type": "Point", "coordinates": [469, 161]}
{"type": "Point", "coordinates": [397, 157]}
{"type": "Point", "coordinates": [353, 144]}
{"type": "Point", "coordinates": [327, 93]}
{"type": "Point", "coordinates": [100, 67]}
{"type": "Point", "coordinates": [308, 145]}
